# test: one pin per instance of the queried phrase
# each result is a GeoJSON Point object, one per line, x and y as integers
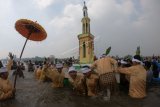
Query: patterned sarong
{"type": "Point", "coordinates": [107, 80]}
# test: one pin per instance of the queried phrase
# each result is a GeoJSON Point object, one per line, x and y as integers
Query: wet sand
{"type": "Point", "coordinates": [31, 93]}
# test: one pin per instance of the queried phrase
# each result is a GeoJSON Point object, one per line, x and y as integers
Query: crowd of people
{"type": "Point", "coordinates": [100, 77]}
{"type": "Point", "coordinates": [104, 77]}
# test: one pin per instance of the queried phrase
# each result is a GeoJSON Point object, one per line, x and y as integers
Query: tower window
{"type": "Point", "coordinates": [83, 28]}
{"type": "Point", "coordinates": [84, 50]}
{"type": "Point", "coordinates": [86, 27]}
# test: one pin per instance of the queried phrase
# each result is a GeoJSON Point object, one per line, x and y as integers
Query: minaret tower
{"type": "Point", "coordinates": [86, 40]}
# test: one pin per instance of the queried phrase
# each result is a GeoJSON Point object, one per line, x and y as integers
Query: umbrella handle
{"type": "Point", "coordinates": [17, 70]}
{"type": "Point", "coordinates": [23, 49]}
{"type": "Point", "coordinates": [24, 46]}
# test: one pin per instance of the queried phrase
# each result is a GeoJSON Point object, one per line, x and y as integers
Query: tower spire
{"type": "Point", "coordinates": [85, 14]}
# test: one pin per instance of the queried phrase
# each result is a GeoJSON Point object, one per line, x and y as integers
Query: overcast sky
{"type": "Point", "coordinates": [121, 24]}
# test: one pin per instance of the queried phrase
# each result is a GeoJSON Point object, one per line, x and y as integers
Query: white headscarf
{"type": "Point", "coordinates": [136, 60]}
{"type": "Point", "coordinates": [71, 69]}
{"type": "Point", "coordinates": [85, 70]}
{"type": "Point", "coordinates": [59, 66]}
{"type": "Point", "coordinates": [123, 62]}
{"type": "Point", "coordinates": [3, 69]}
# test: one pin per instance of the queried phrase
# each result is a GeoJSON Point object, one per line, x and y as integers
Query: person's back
{"type": "Point", "coordinates": [105, 65]}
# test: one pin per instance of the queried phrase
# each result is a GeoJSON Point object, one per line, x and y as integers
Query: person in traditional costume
{"type": "Point", "coordinates": [91, 81]}
{"type": "Point", "coordinates": [137, 86]}
{"type": "Point", "coordinates": [56, 75]}
{"type": "Point", "coordinates": [76, 81]}
{"type": "Point", "coordinates": [61, 74]}
{"type": "Point", "coordinates": [106, 67]}
{"type": "Point", "coordinates": [6, 88]}
{"type": "Point", "coordinates": [20, 70]}
{"type": "Point", "coordinates": [38, 72]}
{"type": "Point", "coordinates": [30, 66]}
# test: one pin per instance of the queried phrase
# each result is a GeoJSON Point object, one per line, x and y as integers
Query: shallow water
{"type": "Point", "coordinates": [31, 93]}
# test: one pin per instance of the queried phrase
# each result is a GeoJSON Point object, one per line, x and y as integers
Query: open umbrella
{"type": "Point", "coordinates": [31, 31]}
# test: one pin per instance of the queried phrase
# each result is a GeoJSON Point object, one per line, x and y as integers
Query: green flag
{"type": "Point", "coordinates": [108, 50]}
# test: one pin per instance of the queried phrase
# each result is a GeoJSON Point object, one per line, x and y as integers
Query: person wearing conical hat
{"type": "Point", "coordinates": [76, 81]}
{"type": "Point", "coordinates": [105, 67]}
{"type": "Point", "coordinates": [91, 80]}
{"type": "Point", "coordinates": [6, 88]}
{"type": "Point", "coordinates": [137, 86]}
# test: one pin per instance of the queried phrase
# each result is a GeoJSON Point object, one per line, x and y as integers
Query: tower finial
{"type": "Point", "coordinates": [85, 14]}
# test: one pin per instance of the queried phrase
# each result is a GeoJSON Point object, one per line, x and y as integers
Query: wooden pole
{"type": "Point", "coordinates": [18, 68]}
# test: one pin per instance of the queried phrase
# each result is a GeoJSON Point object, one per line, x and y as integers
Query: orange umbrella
{"type": "Point", "coordinates": [31, 31]}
